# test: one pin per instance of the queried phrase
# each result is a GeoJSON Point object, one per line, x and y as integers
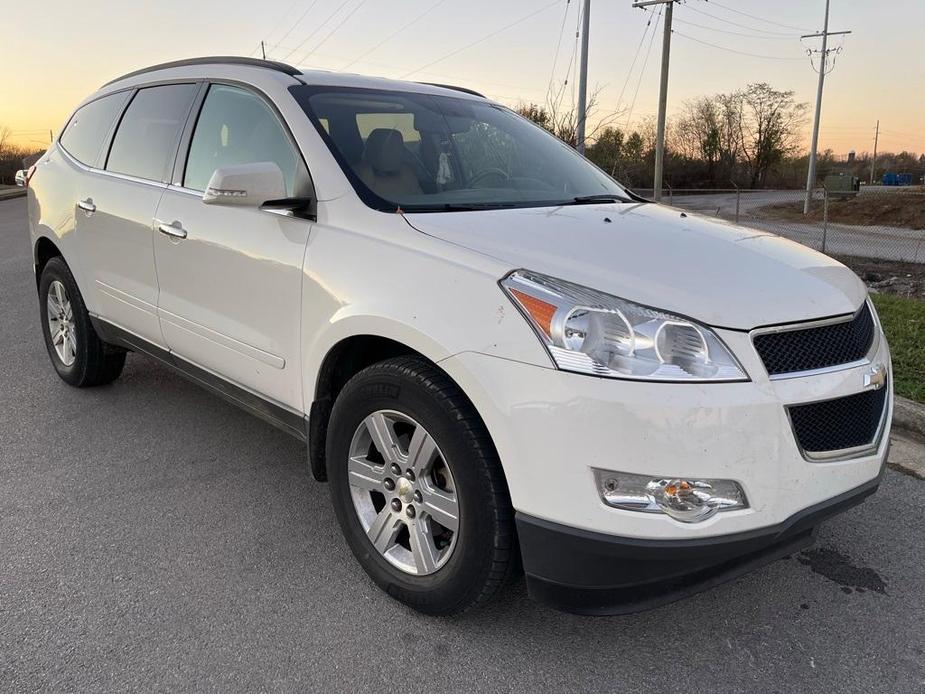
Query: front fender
{"type": "Point", "coordinates": [429, 295]}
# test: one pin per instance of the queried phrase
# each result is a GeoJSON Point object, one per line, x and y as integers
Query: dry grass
{"type": "Point", "coordinates": [904, 210]}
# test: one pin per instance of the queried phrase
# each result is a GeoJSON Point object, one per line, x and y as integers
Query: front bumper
{"type": "Point", "coordinates": [592, 573]}
{"type": "Point", "coordinates": [552, 429]}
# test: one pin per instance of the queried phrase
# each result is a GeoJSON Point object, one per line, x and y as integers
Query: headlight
{"type": "Point", "coordinates": [590, 332]}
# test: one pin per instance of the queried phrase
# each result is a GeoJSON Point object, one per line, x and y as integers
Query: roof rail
{"type": "Point", "coordinates": [465, 90]}
{"type": "Point", "coordinates": [213, 60]}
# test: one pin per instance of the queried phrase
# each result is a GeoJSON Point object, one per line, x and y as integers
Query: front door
{"type": "Point", "coordinates": [231, 277]}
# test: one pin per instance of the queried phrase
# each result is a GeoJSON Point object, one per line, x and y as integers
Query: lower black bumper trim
{"type": "Point", "coordinates": [592, 573]}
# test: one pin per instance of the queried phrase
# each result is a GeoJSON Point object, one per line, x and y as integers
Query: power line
{"type": "Point", "coordinates": [334, 30]}
{"type": "Point", "coordinates": [317, 29]}
{"type": "Point", "coordinates": [642, 73]}
{"type": "Point", "coordinates": [570, 74]}
{"type": "Point", "coordinates": [394, 34]}
{"type": "Point", "coordinates": [645, 64]}
{"type": "Point", "coordinates": [456, 77]}
{"type": "Point", "coordinates": [737, 24]}
{"type": "Point", "coordinates": [642, 40]}
{"type": "Point", "coordinates": [733, 50]}
{"type": "Point", "coordinates": [735, 33]}
{"type": "Point", "coordinates": [753, 16]}
{"type": "Point", "coordinates": [568, 70]}
{"type": "Point", "coordinates": [899, 134]}
{"type": "Point", "coordinates": [281, 21]}
{"type": "Point", "coordinates": [555, 59]}
{"type": "Point", "coordinates": [481, 40]}
{"type": "Point", "coordinates": [294, 25]}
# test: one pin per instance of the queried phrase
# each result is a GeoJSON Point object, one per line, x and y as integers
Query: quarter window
{"type": "Point", "coordinates": [84, 134]}
{"type": "Point", "coordinates": [146, 141]}
{"type": "Point", "coordinates": [237, 127]}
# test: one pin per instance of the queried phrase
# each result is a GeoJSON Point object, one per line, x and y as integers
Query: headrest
{"type": "Point", "coordinates": [385, 148]}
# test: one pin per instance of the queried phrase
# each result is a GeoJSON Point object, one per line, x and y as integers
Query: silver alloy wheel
{"type": "Point", "coordinates": [61, 325]}
{"type": "Point", "coordinates": [403, 492]}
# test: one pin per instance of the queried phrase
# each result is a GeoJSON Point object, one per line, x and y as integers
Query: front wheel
{"type": "Point", "coordinates": [418, 489]}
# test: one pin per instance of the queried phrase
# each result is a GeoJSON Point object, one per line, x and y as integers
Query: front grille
{"type": "Point", "coordinates": [806, 349]}
{"type": "Point", "coordinates": [834, 425]}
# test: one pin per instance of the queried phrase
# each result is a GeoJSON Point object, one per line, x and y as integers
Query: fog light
{"type": "Point", "coordinates": [685, 500]}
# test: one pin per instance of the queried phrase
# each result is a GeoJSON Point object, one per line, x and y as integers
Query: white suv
{"type": "Point", "coordinates": [497, 355]}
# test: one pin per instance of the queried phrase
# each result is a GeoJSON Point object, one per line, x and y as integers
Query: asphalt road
{"type": "Point", "coordinates": [153, 537]}
{"type": "Point", "coordinates": [884, 242]}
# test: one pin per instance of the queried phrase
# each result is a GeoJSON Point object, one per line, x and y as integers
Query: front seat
{"type": "Point", "coordinates": [383, 167]}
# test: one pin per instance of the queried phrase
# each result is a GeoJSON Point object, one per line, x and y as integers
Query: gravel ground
{"type": "Point", "coordinates": [153, 537]}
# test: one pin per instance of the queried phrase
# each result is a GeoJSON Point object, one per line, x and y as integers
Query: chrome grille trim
{"type": "Point", "coordinates": [821, 323]}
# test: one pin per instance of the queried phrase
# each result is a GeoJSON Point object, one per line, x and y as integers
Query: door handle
{"type": "Point", "coordinates": [173, 230]}
{"type": "Point", "coordinates": [87, 205]}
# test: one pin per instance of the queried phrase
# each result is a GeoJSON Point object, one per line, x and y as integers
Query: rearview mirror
{"type": "Point", "coordinates": [245, 185]}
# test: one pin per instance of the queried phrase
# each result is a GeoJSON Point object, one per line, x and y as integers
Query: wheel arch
{"type": "Point", "coordinates": [345, 358]}
{"type": "Point", "coordinates": [44, 250]}
{"type": "Point", "coordinates": [341, 360]}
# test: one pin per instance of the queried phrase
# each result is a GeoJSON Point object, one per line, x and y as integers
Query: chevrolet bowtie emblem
{"type": "Point", "coordinates": [876, 377]}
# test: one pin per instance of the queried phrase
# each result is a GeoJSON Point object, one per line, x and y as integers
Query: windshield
{"type": "Point", "coordinates": [419, 152]}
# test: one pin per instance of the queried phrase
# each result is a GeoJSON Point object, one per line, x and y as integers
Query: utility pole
{"type": "Point", "coordinates": [823, 59]}
{"type": "Point", "coordinates": [583, 79]}
{"type": "Point", "coordinates": [263, 50]}
{"type": "Point", "coordinates": [873, 160]}
{"type": "Point", "coordinates": [662, 95]}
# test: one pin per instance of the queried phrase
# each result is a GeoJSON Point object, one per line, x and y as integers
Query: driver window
{"type": "Point", "coordinates": [237, 127]}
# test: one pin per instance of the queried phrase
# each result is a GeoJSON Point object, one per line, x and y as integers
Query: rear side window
{"type": "Point", "coordinates": [238, 127]}
{"type": "Point", "coordinates": [146, 140]}
{"type": "Point", "coordinates": [84, 134]}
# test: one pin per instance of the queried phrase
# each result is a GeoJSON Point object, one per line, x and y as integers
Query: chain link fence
{"type": "Point", "coordinates": [876, 222]}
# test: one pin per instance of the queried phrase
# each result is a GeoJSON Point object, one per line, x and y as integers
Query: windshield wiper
{"type": "Point", "coordinates": [459, 206]}
{"type": "Point", "coordinates": [601, 197]}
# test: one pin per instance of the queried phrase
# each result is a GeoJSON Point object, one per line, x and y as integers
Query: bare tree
{"type": "Point", "coordinates": [746, 135]}
{"type": "Point", "coordinates": [697, 134]}
{"type": "Point", "coordinates": [709, 130]}
{"type": "Point", "coordinates": [12, 155]}
{"type": "Point", "coordinates": [5, 133]}
{"type": "Point", "coordinates": [769, 125]}
{"type": "Point", "coordinates": [561, 118]}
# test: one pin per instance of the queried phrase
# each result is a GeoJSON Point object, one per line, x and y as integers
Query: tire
{"type": "Point", "coordinates": [471, 562]}
{"type": "Point", "coordinates": [87, 360]}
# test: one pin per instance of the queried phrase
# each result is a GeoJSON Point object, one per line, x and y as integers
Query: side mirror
{"type": "Point", "coordinates": [245, 185]}
{"type": "Point", "coordinates": [21, 178]}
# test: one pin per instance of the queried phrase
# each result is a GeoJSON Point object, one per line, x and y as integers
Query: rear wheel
{"type": "Point", "coordinates": [418, 489]}
{"type": "Point", "coordinates": [76, 351]}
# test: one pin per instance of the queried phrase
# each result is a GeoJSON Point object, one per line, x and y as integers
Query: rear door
{"type": "Point", "coordinates": [230, 288]}
{"type": "Point", "coordinates": [117, 204]}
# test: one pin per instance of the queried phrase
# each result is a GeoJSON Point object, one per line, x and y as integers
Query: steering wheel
{"type": "Point", "coordinates": [486, 173]}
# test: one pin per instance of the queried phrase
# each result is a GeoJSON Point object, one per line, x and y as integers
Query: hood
{"type": "Point", "coordinates": [715, 272]}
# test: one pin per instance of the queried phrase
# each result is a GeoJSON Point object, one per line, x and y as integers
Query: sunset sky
{"type": "Point", "coordinates": [58, 51]}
